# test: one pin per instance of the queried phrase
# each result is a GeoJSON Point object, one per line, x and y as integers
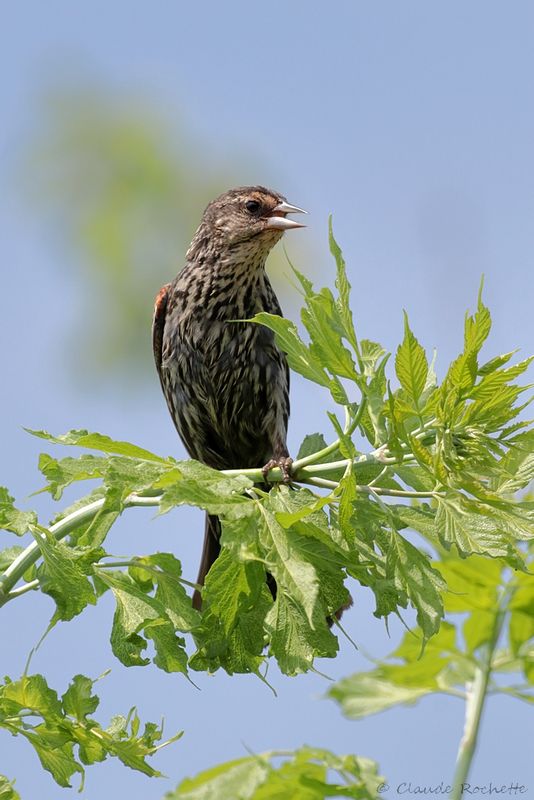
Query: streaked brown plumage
{"type": "Point", "coordinates": [226, 383]}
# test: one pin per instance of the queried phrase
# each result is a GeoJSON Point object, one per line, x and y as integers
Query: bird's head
{"type": "Point", "coordinates": [249, 217]}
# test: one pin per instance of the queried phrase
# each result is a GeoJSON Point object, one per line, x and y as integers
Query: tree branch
{"type": "Point", "coordinates": [322, 475]}
{"type": "Point", "coordinates": [477, 693]}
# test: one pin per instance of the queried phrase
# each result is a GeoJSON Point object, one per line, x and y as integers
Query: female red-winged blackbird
{"type": "Point", "coordinates": [226, 383]}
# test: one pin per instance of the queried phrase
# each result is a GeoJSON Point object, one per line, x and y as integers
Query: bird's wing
{"type": "Point", "coordinates": [158, 324]}
{"type": "Point", "coordinates": [273, 307]}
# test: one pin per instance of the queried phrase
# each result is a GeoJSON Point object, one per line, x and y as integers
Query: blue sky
{"type": "Point", "coordinates": [413, 123]}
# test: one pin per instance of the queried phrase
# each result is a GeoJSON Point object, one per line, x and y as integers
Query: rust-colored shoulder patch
{"type": "Point", "coordinates": [158, 324]}
{"type": "Point", "coordinates": [161, 300]}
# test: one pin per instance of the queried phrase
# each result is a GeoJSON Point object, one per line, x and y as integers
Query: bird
{"type": "Point", "coordinates": [226, 382]}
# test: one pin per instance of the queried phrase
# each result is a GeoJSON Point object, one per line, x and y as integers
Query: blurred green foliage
{"type": "Point", "coordinates": [123, 186]}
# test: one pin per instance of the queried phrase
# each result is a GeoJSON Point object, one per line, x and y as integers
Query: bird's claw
{"type": "Point", "coordinates": [284, 464]}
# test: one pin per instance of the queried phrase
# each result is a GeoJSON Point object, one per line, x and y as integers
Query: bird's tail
{"type": "Point", "coordinates": [210, 551]}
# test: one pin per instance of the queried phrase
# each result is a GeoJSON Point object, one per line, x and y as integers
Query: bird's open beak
{"type": "Point", "coordinates": [278, 218]}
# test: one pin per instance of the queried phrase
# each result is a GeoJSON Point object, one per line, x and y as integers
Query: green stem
{"type": "Point", "coordinates": [20, 715]}
{"type": "Point", "coordinates": [381, 474]}
{"type": "Point", "coordinates": [349, 427]}
{"type": "Point", "coordinates": [26, 587]}
{"type": "Point", "coordinates": [314, 457]}
{"type": "Point", "coordinates": [315, 470]}
{"type": "Point", "coordinates": [29, 556]}
{"type": "Point", "coordinates": [136, 562]}
{"type": "Point", "coordinates": [300, 473]}
{"type": "Point", "coordinates": [477, 693]}
{"type": "Point", "coordinates": [323, 483]}
{"type": "Point", "coordinates": [397, 492]}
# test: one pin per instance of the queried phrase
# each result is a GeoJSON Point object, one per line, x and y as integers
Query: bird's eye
{"type": "Point", "coordinates": [252, 206]}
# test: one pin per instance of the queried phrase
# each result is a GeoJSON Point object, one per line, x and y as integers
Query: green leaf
{"type": "Point", "coordinates": [294, 576]}
{"type": "Point", "coordinates": [170, 592]}
{"type": "Point", "coordinates": [320, 319]}
{"type": "Point", "coordinates": [133, 750]}
{"type": "Point", "coordinates": [424, 668]}
{"type": "Point", "coordinates": [478, 629]}
{"type": "Point", "coordinates": [495, 382]}
{"type": "Point", "coordinates": [231, 635]}
{"type": "Point", "coordinates": [123, 742]}
{"type": "Point", "coordinates": [55, 756]}
{"type": "Point", "coordinates": [366, 693]}
{"type": "Point", "coordinates": [97, 441]}
{"type": "Point", "coordinates": [193, 483]}
{"type": "Point", "coordinates": [299, 356]}
{"type": "Point", "coordinates": [11, 519]}
{"type": "Point", "coordinates": [411, 366]}
{"type": "Point", "coordinates": [472, 583]}
{"type": "Point", "coordinates": [293, 641]}
{"type": "Point", "coordinates": [343, 287]}
{"type": "Point", "coordinates": [392, 684]}
{"type": "Point", "coordinates": [305, 774]}
{"type": "Point", "coordinates": [431, 381]}
{"type": "Point", "coordinates": [61, 473]}
{"type": "Point", "coordinates": [460, 522]}
{"type": "Point", "coordinates": [416, 477]}
{"type": "Point", "coordinates": [126, 475]}
{"type": "Point", "coordinates": [346, 445]}
{"type": "Point", "coordinates": [365, 528]}
{"type": "Point", "coordinates": [121, 474]}
{"type": "Point", "coordinates": [306, 781]}
{"type": "Point", "coordinates": [495, 363]}
{"type": "Point", "coordinates": [229, 587]}
{"type": "Point", "coordinates": [92, 534]}
{"type": "Point", "coordinates": [137, 611]}
{"type": "Point", "coordinates": [79, 701]}
{"type": "Point", "coordinates": [461, 375]}
{"type": "Point", "coordinates": [313, 443]}
{"type": "Point", "coordinates": [318, 541]}
{"type": "Point", "coordinates": [7, 790]}
{"type": "Point", "coordinates": [96, 494]}
{"type": "Point", "coordinates": [134, 609]}
{"type": "Point", "coordinates": [63, 734]}
{"type": "Point", "coordinates": [360, 778]}
{"type": "Point", "coordinates": [61, 575]}
{"type": "Point", "coordinates": [477, 327]}
{"type": "Point", "coordinates": [521, 629]}
{"type": "Point", "coordinates": [329, 321]}
{"type": "Point", "coordinates": [517, 466]}
{"type": "Point", "coordinates": [371, 354]}
{"type": "Point", "coordinates": [8, 555]}
{"type": "Point", "coordinates": [374, 417]}
{"type": "Point", "coordinates": [234, 779]}
{"type": "Point", "coordinates": [495, 411]}
{"type": "Point", "coordinates": [170, 648]}
{"type": "Point", "coordinates": [31, 692]}
{"type": "Point", "coordinates": [293, 506]}
{"type": "Point", "coordinates": [411, 573]}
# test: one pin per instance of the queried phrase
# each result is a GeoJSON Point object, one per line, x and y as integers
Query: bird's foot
{"type": "Point", "coordinates": [284, 464]}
